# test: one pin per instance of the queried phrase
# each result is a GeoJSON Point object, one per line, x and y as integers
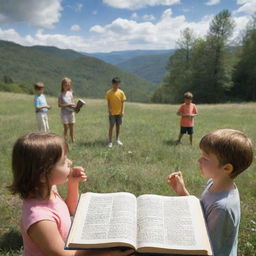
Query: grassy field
{"type": "Point", "coordinates": [141, 166]}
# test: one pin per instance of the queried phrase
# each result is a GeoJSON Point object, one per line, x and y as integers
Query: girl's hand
{"type": "Point", "coordinates": [77, 174]}
{"type": "Point", "coordinates": [176, 182]}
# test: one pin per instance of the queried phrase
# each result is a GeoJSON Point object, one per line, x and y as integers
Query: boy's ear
{"type": "Point", "coordinates": [228, 168]}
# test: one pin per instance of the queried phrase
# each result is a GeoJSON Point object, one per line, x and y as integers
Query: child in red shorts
{"type": "Point", "coordinates": [187, 111]}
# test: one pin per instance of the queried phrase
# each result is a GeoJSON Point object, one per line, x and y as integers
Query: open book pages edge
{"type": "Point", "coordinates": [99, 246]}
{"type": "Point", "coordinates": [159, 250]}
{"type": "Point", "coordinates": [74, 236]}
{"type": "Point", "coordinates": [76, 217]}
{"type": "Point", "coordinates": [204, 233]}
{"type": "Point", "coordinates": [80, 101]}
{"type": "Point", "coordinates": [202, 243]}
{"type": "Point", "coordinates": [79, 105]}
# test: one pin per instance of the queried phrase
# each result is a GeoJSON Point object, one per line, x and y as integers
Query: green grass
{"type": "Point", "coordinates": [140, 166]}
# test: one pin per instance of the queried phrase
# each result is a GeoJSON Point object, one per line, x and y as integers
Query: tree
{"type": "Point", "coordinates": [7, 80]}
{"type": "Point", "coordinates": [201, 66]}
{"type": "Point", "coordinates": [245, 71]}
{"type": "Point", "coordinates": [212, 69]}
{"type": "Point", "coordinates": [186, 43]}
{"type": "Point", "coordinates": [177, 79]}
{"type": "Point", "coordinates": [222, 26]}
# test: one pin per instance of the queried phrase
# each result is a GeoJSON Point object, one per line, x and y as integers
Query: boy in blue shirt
{"type": "Point", "coordinates": [225, 153]}
{"type": "Point", "coordinates": [41, 107]}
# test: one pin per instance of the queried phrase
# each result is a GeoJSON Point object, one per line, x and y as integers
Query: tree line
{"type": "Point", "coordinates": [211, 68]}
{"type": "Point", "coordinates": [7, 84]}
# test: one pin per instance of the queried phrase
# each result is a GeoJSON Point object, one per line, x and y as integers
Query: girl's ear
{"type": "Point", "coordinates": [228, 168]}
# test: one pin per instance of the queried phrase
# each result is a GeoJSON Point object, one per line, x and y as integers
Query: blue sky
{"type": "Point", "coordinates": [113, 25]}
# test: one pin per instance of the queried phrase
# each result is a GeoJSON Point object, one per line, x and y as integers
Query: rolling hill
{"type": "Point", "coordinates": [149, 67]}
{"type": "Point", "coordinates": [147, 64]}
{"type": "Point", "coordinates": [91, 77]}
{"type": "Point", "coordinates": [117, 57]}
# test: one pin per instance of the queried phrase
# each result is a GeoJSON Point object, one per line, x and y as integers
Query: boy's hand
{"type": "Point", "coordinates": [176, 182]}
{"type": "Point", "coordinates": [77, 174]}
{"type": "Point", "coordinates": [49, 106]}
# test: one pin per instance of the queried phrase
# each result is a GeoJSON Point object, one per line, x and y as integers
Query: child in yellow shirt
{"type": "Point", "coordinates": [116, 99]}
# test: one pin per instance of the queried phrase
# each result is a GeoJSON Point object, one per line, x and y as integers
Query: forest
{"type": "Point", "coordinates": [216, 68]}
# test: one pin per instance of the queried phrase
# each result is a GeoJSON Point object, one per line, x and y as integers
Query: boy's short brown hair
{"type": "Point", "coordinates": [38, 85]}
{"type": "Point", "coordinates": [188, 95]}
{"type": "Point", "coordinates": [116, 80]}
{"type": "Point", "coordinates": [230, 147]}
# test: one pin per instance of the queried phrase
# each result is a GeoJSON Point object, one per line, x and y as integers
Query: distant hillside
{"type": "Point", "coordinates": [147, 64]}
{"type": "Point", "coordinates": [91, 77]}
{"type": "Point", "coordinates": [70, 54]}
{"type": "Point", "coordinates": [122, 56]}
{"type": "Point", "coordinates": [151, 67]}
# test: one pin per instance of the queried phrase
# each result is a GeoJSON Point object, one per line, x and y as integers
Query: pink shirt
{"type": "Point", "coordinates": [187, 109]}
{"type": "Point", "coordinates": [34, 211]}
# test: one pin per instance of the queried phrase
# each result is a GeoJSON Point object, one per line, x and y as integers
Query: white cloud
{"type": "Point", "coordinates": [248, 6]}
{"type": "Point", "coordinates": [43, 13]}
{"type": "Point", "coordinates": [10, 35]}
{"type": "Point", "coordinates": [121, 34]}
{"type": "Point", "coordinates": [137, 4]}
{"type": "Point", "coordinates": [148, 17]}
{"type": "Point", "coordinates": [241, 23]}
{"type": "Point", "coordinates": [212, 2]}
{"type": "Point", "coordinates": [124, 34]}
{"type": "Point", "coordinates": [134, 16]}
{"type": "Point", "coordinates": [97, 29]}
{"type": "Point", "coordinates": [95, 12]}
{"type": "Point", "coordinates": [75, 27]}
{"type": "Point", "coordinates": [77, 7]}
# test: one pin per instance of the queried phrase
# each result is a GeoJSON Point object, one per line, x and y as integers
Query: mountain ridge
{"type": "Point", "coordinates": [91, 77]}
{"type": "Point", "coordinates": [147, 64]}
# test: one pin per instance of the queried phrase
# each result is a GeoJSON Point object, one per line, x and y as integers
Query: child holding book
{"type": "Point", "coordinates": [41, 107]}
{"type": "Point", "coordinates": [67, 105]}
{"type": "Point", "coordinates": [225, 153]}
{"type": "Point", "coordinates": [116, 99]}
{"type": "Point", "coordinates": [187, 111]}
{"type": "Point", "coordinates": [39, 163]}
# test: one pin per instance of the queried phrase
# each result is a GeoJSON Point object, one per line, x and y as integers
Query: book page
{"type": "Point", "coordinates": [104, 218]}
{"type": "Point", "coordinates": [170, 222]}
{"type": "Point", "coordinates": [79, 105]}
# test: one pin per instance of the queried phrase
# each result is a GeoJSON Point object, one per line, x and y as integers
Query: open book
{"type": "Point", "coordinates": [79, 104]}
{"type": "Point", "coordinates": [148, 224]}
